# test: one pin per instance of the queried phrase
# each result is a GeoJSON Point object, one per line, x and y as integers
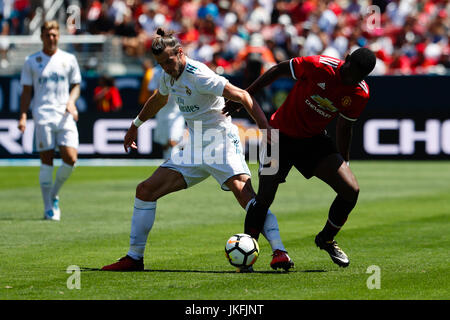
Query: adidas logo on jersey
{"type": "Point", "coordinates": [322, 85]}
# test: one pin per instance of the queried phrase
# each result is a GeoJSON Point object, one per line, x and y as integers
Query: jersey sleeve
{"type": "Point", "coordinates": [300, 66]}
{"type": "Point", "coordinates": [355, 109]}
{"type": "Point", "coordinates": [26, 76]}
{"type": "Point", "coordinates": [162, 85]}
{"type": "Point", "coordinates": [210, 83]}
{"type": "Point", "coordinates": [75, 74]}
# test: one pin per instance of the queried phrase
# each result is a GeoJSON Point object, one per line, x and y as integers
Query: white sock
{"type": "Point", "coordinates": [63, 173]}
{"type": "Point", "coordinates": [272, 233]}
{"type": "Point", "coordinates": [270, 230]}
{"type": "Point", "coordinates": [45, 180]}
{"type": "Point", "coordinates": [142, 222]}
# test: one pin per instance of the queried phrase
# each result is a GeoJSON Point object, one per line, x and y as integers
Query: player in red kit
{"type": "Point", "coordinates": [325, 88]}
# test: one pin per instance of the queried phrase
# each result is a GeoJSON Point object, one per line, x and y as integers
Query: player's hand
{"type": "Point", "coordinates": [130, 138]}
{"type": "Point", "coordinates": [231, 107]}
{"type": "Point", "coordinates": [22, 124]}
{"type": "Point", "coordinates": [72, 109]}
{"type": "Point", "coordinates": [272, 135]}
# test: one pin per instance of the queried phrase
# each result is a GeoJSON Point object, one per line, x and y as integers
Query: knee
{"type": "Point", "coordinates": [352, 193]}
{"type": "Point", "coordinates": [145, 192]}
{"type": "Point", "coordinates": [70, 159]}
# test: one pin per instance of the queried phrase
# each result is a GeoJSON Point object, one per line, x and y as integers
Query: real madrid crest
{"type": "Point", "coordinates": [346, 101]}
{"type": "Point", "coordinates": [39, 59]}
{"type": "Point", "coordinates": [172, 81]}
{"type": "Point", "coordinates": [188, 91]}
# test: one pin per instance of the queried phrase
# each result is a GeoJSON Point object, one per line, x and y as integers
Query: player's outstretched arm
{"type": "Point", "coordinates": [344, 130]}
{"type": "Point", "coordinates": [149, 110]}
{"type": "Point", "coordinates": [280, 70]}
{"type": "Point", "coordinates": [242, 97]}
{"type": "Point", "coordinates": [152, 106]}
{"type": "Point", "coordinates": [25, 100]}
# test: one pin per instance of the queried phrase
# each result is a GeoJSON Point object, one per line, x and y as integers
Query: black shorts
{"type": "Point", "coordinates": [304, 154]}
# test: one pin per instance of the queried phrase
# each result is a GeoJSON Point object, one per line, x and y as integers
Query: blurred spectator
{"type": "Point", "coordinates": [99, 22]}
{"type": "Point", "coordinates": [412, 34]}
{"type": "Point", "coordinates": [255, 58]}
{"type": "Point", "coordinates": [150, 20]}
{"type": "Point", "coordinates": [4, 42]}
{"type": "Point", "coordinates": [20, 12]}
{"type": "Point", "coordinates": [145, 93]}
{"type": "Point", "coordinates": [207, 9]}
{"type": "Point", "coordinates": [106, 95]}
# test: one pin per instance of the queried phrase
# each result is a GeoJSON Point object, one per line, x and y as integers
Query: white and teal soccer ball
{"type": "Point", "coordinates": [241, 250]}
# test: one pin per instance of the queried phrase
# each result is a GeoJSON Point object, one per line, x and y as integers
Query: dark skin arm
{"type": "Point", "coordinates": [344, 129]}
{"type": "Point", "coordinates": [278, 71]}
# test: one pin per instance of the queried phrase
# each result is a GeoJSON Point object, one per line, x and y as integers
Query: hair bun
{"type": "Point", "coordinates": [161, 32]}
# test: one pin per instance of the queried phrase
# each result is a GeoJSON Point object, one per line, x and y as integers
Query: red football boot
{"type": "Point", "coordinates": [125, 264]}
{"type": "Point", "coordinates": [281, 260]}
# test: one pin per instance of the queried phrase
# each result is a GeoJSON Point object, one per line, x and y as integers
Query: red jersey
{"type": "Point", "coordinates": [317, 97]}
{"type": "Point", "coordinates": [111, 101]}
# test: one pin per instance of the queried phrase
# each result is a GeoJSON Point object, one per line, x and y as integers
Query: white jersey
{"type": "Point", "coordinates": [198, 93]}
{"type": "Point", "coordinates": [170, 121]}
{"type": "Point", "coordinates": [51, 77]}
{"type": "Point", "coordinates": [171, 109]}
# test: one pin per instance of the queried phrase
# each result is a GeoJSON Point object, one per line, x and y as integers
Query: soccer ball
{"type": "Point", "coordinates": [241, 250]}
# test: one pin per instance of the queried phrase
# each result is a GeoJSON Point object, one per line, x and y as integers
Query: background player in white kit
{"type": "Point", "coordinates": [54, 77]}
{"type": "Point", "coordinates": [199, 93]}
{"type": "Point", "coordinates": [170, 126]}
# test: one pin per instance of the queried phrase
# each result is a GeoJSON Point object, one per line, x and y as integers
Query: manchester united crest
{"type": "Point", "coordinates": [346, 101]}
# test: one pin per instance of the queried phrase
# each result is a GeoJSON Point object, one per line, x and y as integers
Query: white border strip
{"type": "Point", "coordinates": [347, 118]}
{"type": "Point", "coordinates": [86, 162]}
{"type": "Point", "coordinates": [292, 69]}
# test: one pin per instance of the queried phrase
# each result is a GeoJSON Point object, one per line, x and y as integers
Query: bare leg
{"type": "Point", "coordinates": [163, 181]}
{"type": "Point", "coordinates": [334, 171]}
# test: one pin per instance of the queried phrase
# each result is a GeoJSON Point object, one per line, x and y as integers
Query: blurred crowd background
{"type": "Point", "coordinates": [231, 36]}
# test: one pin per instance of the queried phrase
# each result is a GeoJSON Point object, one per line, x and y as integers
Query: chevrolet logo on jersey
{"type": "Point", "coordinates": [324, 103]}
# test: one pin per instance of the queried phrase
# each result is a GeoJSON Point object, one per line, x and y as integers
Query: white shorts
{"type": "Point", "coordinates": [51, 135]}
{"type": "Point", "coordinates": [221, 159]}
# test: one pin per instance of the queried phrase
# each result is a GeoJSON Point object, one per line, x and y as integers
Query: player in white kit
{"type": "Point", "coordinates": [170, 126]}
{"type": "Point", "coordinates": [214, 147]}
{"type": "Point", "coordinates": [51, 84]}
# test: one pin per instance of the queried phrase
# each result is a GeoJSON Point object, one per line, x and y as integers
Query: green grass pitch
{"type": "Point", "coordinates": [401, 224]}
